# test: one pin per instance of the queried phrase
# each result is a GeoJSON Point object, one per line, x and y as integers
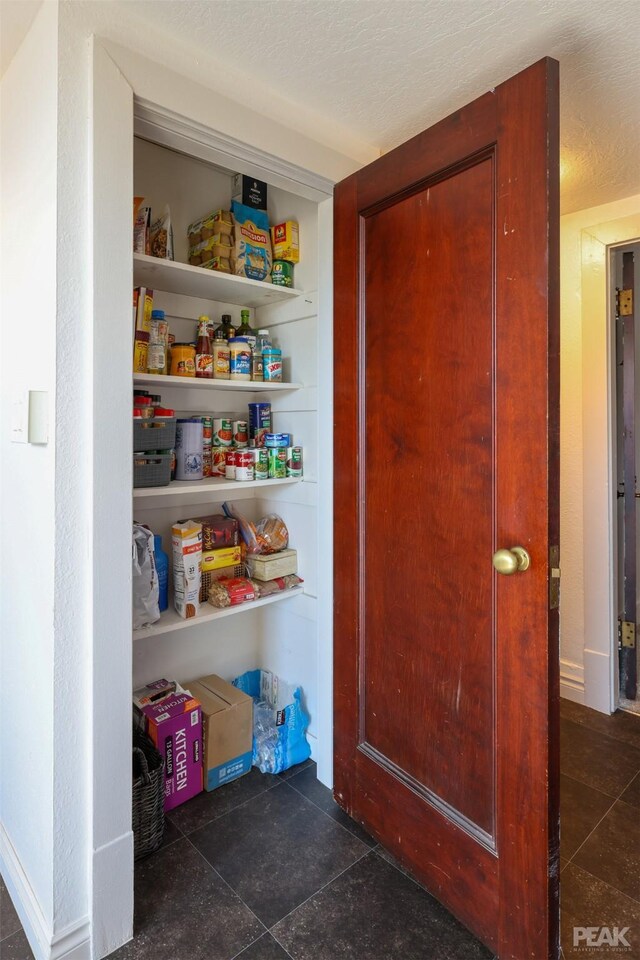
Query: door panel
{"type": "Point", "coordinates": [446, 405]}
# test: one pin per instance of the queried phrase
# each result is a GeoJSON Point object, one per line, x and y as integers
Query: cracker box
{"type": "Point", "coordinates": [227, 720]}
{"type": "Point", "coordinates": [285, 241]}
{"type": "Point", "coordinates": [175, 727]}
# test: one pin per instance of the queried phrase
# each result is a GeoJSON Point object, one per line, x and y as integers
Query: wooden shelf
{"type": "Point", "coordinates": [188, 281]}
{"type": "Point", "coordinates": [252, 386]}
{"type": "Point", "coordinates": [184, 492]}
{"type": "Point", "coordinates": [171, 621]}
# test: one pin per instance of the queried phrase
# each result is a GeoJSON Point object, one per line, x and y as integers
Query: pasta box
{"type": "Point", "coordinates": [227, 721]}
{"type": "Point", "coordinates": [175, 727]}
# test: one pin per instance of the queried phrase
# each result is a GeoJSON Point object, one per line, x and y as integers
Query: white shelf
{"type": "Point", "coordinates": [170, 620]}
{"type": "Point", "coordinates": [252, 386]}
{"type": "Point", "coordinates": [188, 281]}
{"type": "Point", "coordinates": [217, 484]}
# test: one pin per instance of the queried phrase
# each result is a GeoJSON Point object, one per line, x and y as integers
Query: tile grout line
{"type": "Point", "coordinates": [315, 894]}
{"type": "Point", "coordinates": [604, 815]}
{"type": "Point", "coordinates": [231, 809]}
{"type": "Point", "coordinates": [611, 736]}
{"type": "Point", "coordinates": [581, 783]}
{"type": "Point", "coordinates": [238, 956]}
{"type": "Point", "coordinates": [337, 822]}
{"type": "Point", "coordinates": [606, 883]}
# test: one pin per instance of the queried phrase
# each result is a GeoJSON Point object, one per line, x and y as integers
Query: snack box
{"type": "Point", "coordinates": [285, 241]}
{"type": "Point", "coordinates": [223, 264]}
{"type": "Point", "coordinates": [218, 245]}
{"type": "Point", "coordinates": [175, 727]}
{"type": "Point", "coordinates": [270, 566]}
{"type": "Point", "coordinates": [220, 221]}
{"type": "Point", "coordinates": [249, 191]}
{"type": "Point", "coordinates": [222, 557]}
{"type": "Point", "coordinates": [218, 531]}
{"type": "Point", "coordinates": [227, 725]}
{"type": "Point", "coordinates": [143, 303]}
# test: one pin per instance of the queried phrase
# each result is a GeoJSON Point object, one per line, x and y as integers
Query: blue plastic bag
{"type": "Point", "coordinates": [279, 721]}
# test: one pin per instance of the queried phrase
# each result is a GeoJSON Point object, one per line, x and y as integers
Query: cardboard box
{"type": "Point", "coordinates": [249, 191]}
{"type": "Point", "coordinates": [220, 557]}
{"type": "Point", "coordinates": [227, 721]}
{"type": "Point", "coordinates": [218, 531]}
{"type": "Point", "coordinates": [285, 240]}
{"type": "Point", "coordinates": [153, 692]}
{"type": "Point", "coordinates": [175, 727]}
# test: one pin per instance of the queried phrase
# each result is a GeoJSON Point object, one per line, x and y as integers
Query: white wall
{"type": "Point", "coordinates": [27, 473]}
{"type": "Point", "coordinates": [585, 495]}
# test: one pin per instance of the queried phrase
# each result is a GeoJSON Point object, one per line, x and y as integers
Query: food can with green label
{"type": "Point", "coordinates": [282, 273]}
{"type": "Point", "coordinates": [277, 463]}
{"type": "Point", "coordinates": [260, 463]}
{"type": "Point", "coordinates": [294, 461]}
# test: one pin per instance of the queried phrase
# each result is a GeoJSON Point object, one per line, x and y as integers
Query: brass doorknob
{"type": "Point", "coordinates": [515, 560]}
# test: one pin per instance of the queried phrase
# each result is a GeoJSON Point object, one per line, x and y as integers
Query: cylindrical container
{"type": "Point", "coordinates": [207, 430]}
{"type": "Point", "coordinates": [272, 368]}
{"type": "Point", "coordinates": [189, 449]}
{"type": "Point", "coordinates": [260, 463]}
{"type": "Point", "coordinates": [277, 463]}
{"type": "Point", "coordinates": [140, 352]}
{"type": "Point", "coordinates": [277, 440]}
{"type": "Point", "coordinates": [220, 359]}
{"type": "Point", "coordinates": [259, 422]}
{"type": "Point", "coordinates": [239, 359]}
{"type": "Point", "coordinates": [218, 455]}
{"type": "Point", "coordinates": [230, 464]}
{"type": "Point", "coordinates": [244, 465]}
{"type": "Point", "coordinates": [222, 432]}
{"type": "Point", "coordinates": [282, 273]}
{"type": "Point", "coordinates": [146, 409]}
{"type": "Point", "coordinates": [294, 461]}
{"type": "Point", "coordinates": [158, 327]}
{"type": "Point", "coordinates": [183, 360]}
{"type": "Point", "coordinates": [157, 358]}
{"type": "Point", "coordinates": [206, 462]}
{"type": "Point", "coordinates": [257, 365]}
{"type": "Point", "coordinates": [241, 433]}
{"type": "Point", "coordinates": [162, 567]}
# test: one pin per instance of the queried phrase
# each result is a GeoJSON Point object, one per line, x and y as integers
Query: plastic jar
{"type": "Point", "coordinates": [157, 358]}
{"type": "Point", "coordinates": [220, 351]}
{"type": "Point", "coordinates": [183, 360]}
{"type": "Point", "coordinates": [239, 359]}
{"type": "Point", "coordinates": [272, 367]}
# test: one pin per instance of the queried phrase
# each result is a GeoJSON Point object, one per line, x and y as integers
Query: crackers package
{"type": "Point", "coordinates": [252, 242]}
{"type": "Point", "coordinates": [186, 542]}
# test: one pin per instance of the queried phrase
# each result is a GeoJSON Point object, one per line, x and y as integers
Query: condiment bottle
{"type": "Point", "coordinates": [226, 330]}
{"type": "Point", "coordinates": [204, 357]}
{"type": "Point", "coordinates": [244, 330]}
{"type": "Point", "coordinates": [220, 359]}
{"type": "Point", "coordinates": [239, 359]}
{"type": "Point", "coordinates": [183, 360]}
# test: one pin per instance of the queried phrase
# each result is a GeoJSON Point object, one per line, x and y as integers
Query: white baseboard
{"type": "Point", "coordinates": [571, 681]}
{"type": "Point", "coordinates": [112, 896]}
{"type": "Point", "coordinates": [71, 943]}
{"type": "Point", "coordinates": [597, 681]}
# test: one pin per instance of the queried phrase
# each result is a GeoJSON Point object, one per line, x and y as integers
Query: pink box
{"type": "Point", "coordinates": [175, 726]}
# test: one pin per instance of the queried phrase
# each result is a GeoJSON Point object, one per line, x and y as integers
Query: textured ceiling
{"type": "Point", "coordinates": [379, 71]}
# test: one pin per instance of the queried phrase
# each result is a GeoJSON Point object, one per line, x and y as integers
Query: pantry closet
{"type": "Point", "coordinates": [281, 633]}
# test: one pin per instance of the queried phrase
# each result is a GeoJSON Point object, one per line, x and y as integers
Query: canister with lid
{"type": "Point", "coordinates": [189, 449]}
{"type": "Point", "coordinates": [272, 365]}
{"type": "Point", "coordinates": [220, 359]}
{"type": "Point", "coordinates": [183, 360]}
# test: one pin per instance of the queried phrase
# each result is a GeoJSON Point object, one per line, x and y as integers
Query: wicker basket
{"type": "Point", "coordinates": [148, 797]}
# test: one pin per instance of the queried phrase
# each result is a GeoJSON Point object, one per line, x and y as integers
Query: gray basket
{"type": "Point", "coordinates": [155, 434]}
{"type": "Point", "coordinates": [152, 470]}
{"type": "Point", "coordinates": [148, 797]}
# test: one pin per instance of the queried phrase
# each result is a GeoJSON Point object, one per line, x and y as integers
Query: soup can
{"type": "Point", "coordinates": [207, 431]}
{"type": "Point", "coordinates": [240, 430]}
{"type": "Point", "coordinates": [244, 465]}
{"type": "Point", "coordinates": [294, 461]}
{"type": "Point", "coordinates": [218, 463]}
{"type": "Point", "coordinates": [206, 462]}
{"type": "Point", "coordinates": [230, 464]}
{"type": "Point", "coordinates": [222, 432]}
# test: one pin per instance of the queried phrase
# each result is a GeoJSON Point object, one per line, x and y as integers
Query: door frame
{"type": "Point", "coordinates": [599, 458]}
{"type": "Point", "coordinates": [132, 95]}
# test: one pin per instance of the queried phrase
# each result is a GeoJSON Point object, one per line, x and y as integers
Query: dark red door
{"type": "Point", "coordinates": [446, 451]}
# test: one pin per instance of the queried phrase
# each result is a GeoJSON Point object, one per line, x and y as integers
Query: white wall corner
{"type": "Point", "coordinates": [571, 681]}
{"type": "Point", "coordinates": [114, 859]}
{"type": "Point", "coordinates": [597, 680]}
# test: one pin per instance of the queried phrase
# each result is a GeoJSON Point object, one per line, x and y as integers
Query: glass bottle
{"type": "Point", "coordinates": [204, 356]}
{"type": "Point", "coordinates": [226, 330]}
{"type": "Point", "coordinates": [245, 330]}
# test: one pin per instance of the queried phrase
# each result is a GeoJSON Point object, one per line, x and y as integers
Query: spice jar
{"type": "Point", "coordinates": [239, 359]}
{"type": "Point", "coordinates": [143, 404]}
{"type": "Point", "coordinates": [183, 360]}
{"type": "Point", "coordinates": [220, 359]}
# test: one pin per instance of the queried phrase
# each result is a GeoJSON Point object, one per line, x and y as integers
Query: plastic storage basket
{"type": "Point", "coordinates": [151, 469]}
{"type": "Point", "coordinates": [148, 797]}
{"type": "Point", "coordinates": [154, 434]}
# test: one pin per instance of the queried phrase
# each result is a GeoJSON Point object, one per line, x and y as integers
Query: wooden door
{"type": "Point", "coordinates": [446, 450]}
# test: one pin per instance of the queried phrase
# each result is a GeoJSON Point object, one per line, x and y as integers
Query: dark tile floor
{"type": "Point", "coordinates": [270, 868]}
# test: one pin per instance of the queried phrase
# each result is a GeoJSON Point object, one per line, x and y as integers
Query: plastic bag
{"type": "Point", "coordinates": [161, 236]}
{"type": "Point", "coordinates": [279, 721]}
{"type": "Point", "coordinates": [145, 578]}
{"type": "Point", "coordinates": [269, 535]}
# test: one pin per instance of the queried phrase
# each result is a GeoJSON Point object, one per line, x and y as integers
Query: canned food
{"type": "Point", "coordinates": [244, 465]}
{"type": "Point", "coordinates": [294, 461]}
{"type": "Point", "coordinates": [218, 465]}
{"type": "Point", "coordinates": [241, 433]}
{"type": "Point", "coordinates": [277, 463]}
{"type": "Point", "coordinates": [206, 462]}
{"type": "Point", "coordinates": [277, 440]}
{"type": "Point", "coordinates": [260, 463]}
{"type": "Point", "coordinates": [230, 464]}
{"type": "Point", "coordinates": [282, 273]}
{"type": "Point", "coordinates": [259, 422]}
{"type": "Point", "coordinates": [207, 431]}
{"type": "Point", "coordinates": [222, 432]}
